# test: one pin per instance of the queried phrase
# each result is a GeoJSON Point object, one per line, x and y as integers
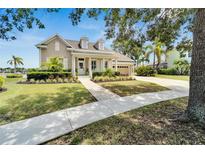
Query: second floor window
{"type": "Point", "coordinates": [57, 46]}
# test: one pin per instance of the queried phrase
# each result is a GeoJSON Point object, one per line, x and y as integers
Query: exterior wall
{"type": "Point", "coordinates": [171, 57]}
{"type": "Point", "coordinates": [49, 52]}
{"type": "Point", "coordinates": [174, 55]}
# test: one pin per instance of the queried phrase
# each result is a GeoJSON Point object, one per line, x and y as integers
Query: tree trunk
{"type": "Point", "coordinates": [14, 68]}
{"type": "Point", "coordinates": [154, 60]}
{"type": "Point", "coordinates": [196, 104]}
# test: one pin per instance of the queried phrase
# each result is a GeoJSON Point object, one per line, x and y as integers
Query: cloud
{"type": "Point", "coordinates": [88, 26]}
{"type": "Point", "coordinates": [23, 40]}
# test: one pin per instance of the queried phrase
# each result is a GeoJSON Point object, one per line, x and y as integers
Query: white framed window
{"type": "Point", "coordinates": [93, 65]}
{"type": "Point", "coordinates": [101, 46]}
{"type": "Point", "coordinates": [106, 64]}
{"type": "Point", "coordinates": [84, 44]}
{"type": "Point", "coordinates": [189, 54]}
{"type": "Point", "coordinates": [57, 45]}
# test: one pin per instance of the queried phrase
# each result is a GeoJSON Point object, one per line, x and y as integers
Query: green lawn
{"type": "Point", "coordinates": [127, 88]}
{"type": "Point", "coordinates": [23, 101]}
{"type": "Point", "coordinates": [152, 124]}
{"type": "Point", "coordinates": [175, 77]}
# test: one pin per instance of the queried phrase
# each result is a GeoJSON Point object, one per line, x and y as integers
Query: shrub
{"type": "Point", "coordinates": [54, 64]}
{"type": "Point", "coordinates": [168, 71]}
{"type": "Point", "coordinates": [117, 73]}
{"type": "Point", "coordinates": [45, 70]}
{"type": "Point", "coordinates": [108, 72]}
{"type": "Point", "coordinates": [1, 82]}
{"type": "Point", "coordinates": [182, 66]}
{"type": "Point", "coordinates": [14, 76]}
{"type": "Point", "coordinates": [145, 71]}
{"type": "Point", "coordinates": [48, 75]}
{"type": "Point", "coordinates": [107, 78]}
{"type": "Point", "coordinates": [97, 74]}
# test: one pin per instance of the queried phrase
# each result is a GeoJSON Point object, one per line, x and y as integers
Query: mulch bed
{"type": "Point", "coordinates": [27, 82]}
{"type": "Point", "coordinates": [111, 80]}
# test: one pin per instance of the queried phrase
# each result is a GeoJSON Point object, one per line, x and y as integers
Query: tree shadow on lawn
{"type": "Point", "coordinates": [123, 90]}
{"type": "Point", "coordinates": [147, 125]}
{"type": "Point", "coordinates": [27, 106]}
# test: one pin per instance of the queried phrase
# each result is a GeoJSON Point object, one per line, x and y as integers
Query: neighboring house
{"type": "Point", "coordinates": [84, 56]}
{"type": "Point", "coordinates": [174, 55]}
{"type": "Point", "coordinates": [168, 61]}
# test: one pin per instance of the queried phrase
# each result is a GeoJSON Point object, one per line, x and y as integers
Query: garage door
{"type": "Point", "coordinates": [123, 69]}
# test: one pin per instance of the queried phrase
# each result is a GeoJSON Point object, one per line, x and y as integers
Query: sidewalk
{"type": "Point", "coordinates": [46, 127]}
{"type": "Point", "coordinates": [97, 91]}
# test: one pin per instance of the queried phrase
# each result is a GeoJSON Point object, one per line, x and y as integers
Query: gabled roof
{"type": "Point", "coordinates": [51, 38]}
{"type": "Point", "coordinates": [122, 57]}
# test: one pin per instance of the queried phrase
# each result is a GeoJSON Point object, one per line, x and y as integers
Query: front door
{"type": "Point", "coordinates": [81, 66]}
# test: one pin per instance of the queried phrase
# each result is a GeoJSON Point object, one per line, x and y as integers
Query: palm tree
{"type": "Point", "coordinates": [15, 61]}
{"type": "Point", "coordinates": [157, 49]}
{"type": "Point", "coordinates": [54, 64]}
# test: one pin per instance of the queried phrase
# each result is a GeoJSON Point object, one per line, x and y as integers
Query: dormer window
{"type": "Point", "coordinates": [84, 42]}
{"type": "Point", "coordinates": [100, 44]}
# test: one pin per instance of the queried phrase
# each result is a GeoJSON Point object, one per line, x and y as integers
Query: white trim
{"type": "Point", "coordinates": [91, 51]}
{"type": "Point", "coordinates": [42, 46]}
{"type": "Point", "coordinates": [81, 61]}
{"type": "Point", "coordinates": [40, 58]}
{"type": "Point", "coordinates": [91, 55]}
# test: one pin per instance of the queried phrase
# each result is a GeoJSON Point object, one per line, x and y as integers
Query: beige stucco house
{"type": "Point", "coordinates": [84, 56]}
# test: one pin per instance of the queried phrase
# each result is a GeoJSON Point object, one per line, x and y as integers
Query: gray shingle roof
{"type": "Point", "coordinates": [122, 57]}
{"type": "Point", "coordinates": [91, 45]}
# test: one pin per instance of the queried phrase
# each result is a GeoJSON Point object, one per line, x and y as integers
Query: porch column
{"type": "Point", "coordinates": [115, 64]}
{"type": "Point", "coordinates": [73, 66]}
{"type": "Point", "coordinates": [129, 70]}
{"type": "Point", "coordinates": [103, 65]}
{"type": "Point", "coordinates": [89, 67]}
{"type": "Point", "coordinates": [133, 70]}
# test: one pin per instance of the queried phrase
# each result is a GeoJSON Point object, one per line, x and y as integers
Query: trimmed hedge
{"type": "Point", "coordinates": [97, 74]}
{"type": "Point", "coordinates": [116, 73]}
{"type": "Point", "coordinates": [108, 79]}
{"type": "Point", "coordinates": [145, 71]}
{"type": "Point", "coordinates": [168, 71]}
{"type": "Point", "coordinates": [42, 70]}
{"type": "Point", "coordinates": [48, 75]}
{"type": "Point", "coordinates": [14, 76]}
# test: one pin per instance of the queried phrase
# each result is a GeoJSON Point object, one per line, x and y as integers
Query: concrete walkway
{"type": "Point", "coordinates": [97, 91]}
{"type": "Point", "coordinates": [177, 85]}
{"type": "Point", "coordinates": [46, 127]}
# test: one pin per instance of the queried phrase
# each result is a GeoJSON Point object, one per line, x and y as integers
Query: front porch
{"type": "Point", "coordinates": [87, 64]}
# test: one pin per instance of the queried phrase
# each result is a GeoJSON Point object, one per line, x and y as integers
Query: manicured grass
{"type": "Point", "coordinates": [22, 101]}
{"type": "Point", "coordinates": [175, 77]}
{"type": "Point", "coordinates": [152, 124]}
{"type": "Point", "coordinates": [127, 88]}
